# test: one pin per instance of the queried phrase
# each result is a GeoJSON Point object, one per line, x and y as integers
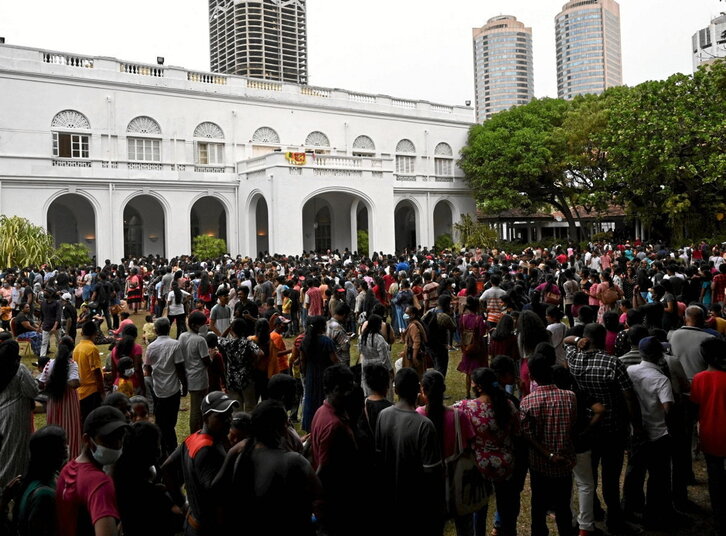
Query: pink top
{"type": "Point", "coordinates": [467, 430]}
{"type": "Point", "coordinates": [610, 337]}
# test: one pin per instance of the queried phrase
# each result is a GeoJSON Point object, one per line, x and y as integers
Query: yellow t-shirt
{"type": "Point", "coordinates": [126, 387]}
{"type": "Point", "coordinates": [88, 359]}
{"type": "Point", "coordinates": [286, 306]}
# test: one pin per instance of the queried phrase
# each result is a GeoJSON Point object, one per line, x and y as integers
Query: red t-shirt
{"type": "Point", "coordinates": [708, 390]}
{"type": "Point", "coordinates": [84, 494]}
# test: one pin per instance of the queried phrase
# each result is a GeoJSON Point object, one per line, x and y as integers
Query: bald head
{"type": "Point", "coordinates": [695, 316]}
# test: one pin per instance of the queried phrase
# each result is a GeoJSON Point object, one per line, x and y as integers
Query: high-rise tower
{"type": "Point", "coordinates": [259, 38]}
{"type": "Point", "coordinates": [589, 58]}
{"type": "Point", "coordinates": [709, 43]}
{"type": "Point", "coordinates": [503, 68]}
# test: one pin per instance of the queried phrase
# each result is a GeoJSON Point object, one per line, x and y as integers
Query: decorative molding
{"type": "Point", "coordinates": [208, 130]}
{"type": "Point", "coordinates": [405, 146]}
{"type": "Point", "coordinates": [265, 135]}
{"type": "Point", "coordinates": [70, 119]}
{"type": "Point", "coordinates": [317, 139]}
{"type": "Point", "coordinates": [365, 143]}
{"type": "Point", "coordinates": [143, 125]}
{"type": "Point", "coordinates": [443, 149]}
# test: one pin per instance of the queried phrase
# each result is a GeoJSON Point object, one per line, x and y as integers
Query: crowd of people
{"type": "Point", "coordinates": [569, 360]}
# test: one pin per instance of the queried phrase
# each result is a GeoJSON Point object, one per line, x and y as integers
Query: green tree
{"type": "Point", "coordinates": [666, 144]}
{"type": "Point", "coordinates": [521, 159]}
{"type": "Point", "coordinates": [444, 241]}
{"type": "Point", "coordinates": [473, 234]}
{"type": "Point", "coordinates": [208, 247]}
{"type": "Point", "coordinates": [73, 255]}
{"type": "Point", "coordinates": [362, 242]}
{"type": "Point", "coordinates": [23, 244]}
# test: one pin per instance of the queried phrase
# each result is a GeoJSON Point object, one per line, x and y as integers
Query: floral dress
{"type": "Point", "coordinates": [493, 447]}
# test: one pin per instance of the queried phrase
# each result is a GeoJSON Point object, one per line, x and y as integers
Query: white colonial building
{"type": "Point", "coordinates": [136, 159]}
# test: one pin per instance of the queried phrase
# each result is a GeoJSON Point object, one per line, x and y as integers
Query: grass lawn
{"type": "Point", "coordinates": [456, 389]}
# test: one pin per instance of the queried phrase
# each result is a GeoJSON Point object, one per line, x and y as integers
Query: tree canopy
{"type": "Point", "coordinates": [658, 150]}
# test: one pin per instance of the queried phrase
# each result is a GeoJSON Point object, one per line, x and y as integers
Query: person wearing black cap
{"type": "Point", "coordinates": [199, 459]}
{"type": "Point", "coordinates": [85, 494]}
{"type": "Point", "coordinates": [652, 456]}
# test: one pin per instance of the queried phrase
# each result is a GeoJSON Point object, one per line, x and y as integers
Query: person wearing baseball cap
{"type": "Point", "coordinates": [85, 494]}
{"type": "Point", "coordinates": [199, 459]}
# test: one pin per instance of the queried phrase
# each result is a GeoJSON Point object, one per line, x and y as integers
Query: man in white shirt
{"type": "Point", "coordinates": [196, 360]}
{"type": "Point", "coordinates": [651, 455]}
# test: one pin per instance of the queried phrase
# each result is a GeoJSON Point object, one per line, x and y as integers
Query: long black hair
{"type": "Point", "coordinates": [204, 286]}
{"type": "Point", "coordinates": [125, 346]}
{"type": "Point", "coordinates": [373, 326]}
{"type": "Point", "coordinates": [434, 387]}
{"type": "Point", "coordinates": [177, 292]}
{"type": "Point", "coordinates": [58, 380]}
{"type": "Point", "coordinates": [485, 381]}
{"type": "Point", "coordinates": [262, 332]}
{"type": "Point", "coordinates": [311, 342]}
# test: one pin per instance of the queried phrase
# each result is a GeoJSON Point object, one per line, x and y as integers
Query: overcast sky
{"type": "Point", "coordinates": [410, 48]}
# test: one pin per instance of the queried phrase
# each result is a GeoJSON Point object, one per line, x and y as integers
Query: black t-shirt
{"type": "Point", "coordinates": [271, 480]}
{"type": "Point", "coordinates": [199, 459]}
{"type": "Point", "coordinates": [19, 328]}
{"type": "Point", "coordinates": [146, 509]}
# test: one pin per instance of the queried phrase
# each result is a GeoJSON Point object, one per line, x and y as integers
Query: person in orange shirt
{"type": "Point", "coordinates": [91, 391]}
{"type": "Point", "coordinates": [283, 354]}
{"type": "Point", "coordinates": [268, 365]}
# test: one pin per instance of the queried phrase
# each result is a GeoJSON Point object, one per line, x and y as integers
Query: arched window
{"type": "Point", "coordinates": [69, 140]}
{"type": "Point", "coordinates": [364, 146]}
{"type": "Point", "coordinates": [208, 152]}
{"type": "Point", "coordinates": [443, 160]}
{"type": "Point", "coordinates": [208, 130]}
{"type": "Point", "coordinates": [266, 135]}
{"type": "Point", "coordinates": [405, 157]}
{"type": "Point", "coordinates": [143, 125]}
{"type": "Point", "coordinates": [144, 144]}
{"type": "Point", "coordinates": [317, 139]}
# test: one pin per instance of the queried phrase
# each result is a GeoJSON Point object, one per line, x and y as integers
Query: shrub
{"type": "Point", "coordinates": [362, 242]}
{"type": "Point", "coordinates": [73, 255]}
{"type": "Point", "coordinates": [208, 247]}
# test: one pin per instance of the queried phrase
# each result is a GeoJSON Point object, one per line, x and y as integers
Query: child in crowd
{"type": "Point", "coordinates": [139, 409]}
{"type": "Point", "coordinates": [240, 428]}
{"type": "Point", "coordinates": [148, 330]}
{"type": "Point", "coordinates": [125, 371]}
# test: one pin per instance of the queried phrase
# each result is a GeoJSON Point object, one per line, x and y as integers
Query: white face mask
{"type": "Point", "coordinates": [128, 373]}
{"type": "Point", "coordinates": [106, 456]}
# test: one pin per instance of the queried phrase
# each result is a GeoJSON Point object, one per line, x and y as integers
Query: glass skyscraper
{"type": "Point", "coordinates": [503, 70]}
{"type": "Point", "coordinates": [589, 58]}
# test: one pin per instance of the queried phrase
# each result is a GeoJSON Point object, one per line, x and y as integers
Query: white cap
{"type": "Point", "coordinates": [66, 296]}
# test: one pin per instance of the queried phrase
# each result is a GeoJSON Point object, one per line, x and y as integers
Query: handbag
{"type": "Point", "coordinates": [467, 490]}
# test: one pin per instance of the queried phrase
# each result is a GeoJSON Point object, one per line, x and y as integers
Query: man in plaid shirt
{"type": "Point", "coordinates": [604, 378]}
{"type": "Point", "coordinates": [548, 421]}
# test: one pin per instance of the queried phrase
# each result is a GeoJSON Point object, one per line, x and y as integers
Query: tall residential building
{"type": "Point", "coordinates": [503, 67]}
{"type": "Point", "coordinates": [259, 38]}
{"type": "Point", "coordinates": [710, 42]}
{"type": "Point", "coordinates": [589, 58]}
